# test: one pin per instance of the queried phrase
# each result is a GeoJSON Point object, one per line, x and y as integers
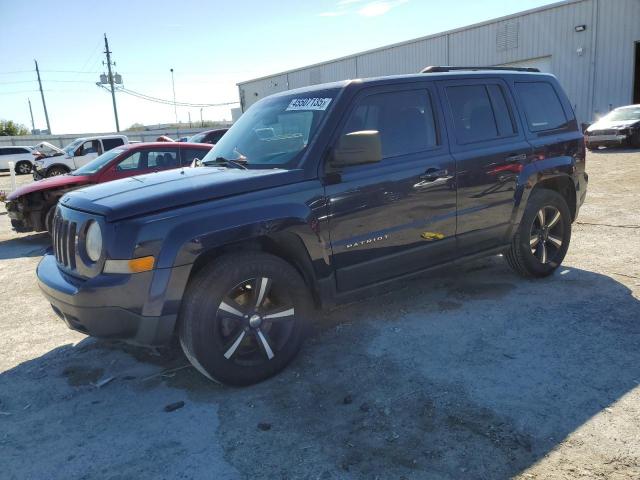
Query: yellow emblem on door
{"type": "Point", "coordinates": [431, 236]}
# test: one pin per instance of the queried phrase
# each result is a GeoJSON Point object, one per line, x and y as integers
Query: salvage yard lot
{"type": "Point", "coordinates": [469, 372]}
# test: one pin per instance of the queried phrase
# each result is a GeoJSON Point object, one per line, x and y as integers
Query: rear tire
{"type": "Point", "coordinates": [542, 239]}
{"type": "Point", "coordinates": [23, 168]}
{"type": "Point", "coordinates": [56, 171]}
{"type": "Point", "coordinates": [243, 317]}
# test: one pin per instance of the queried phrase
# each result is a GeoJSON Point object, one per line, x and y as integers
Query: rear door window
{"type": "Point", "coordinates": [542, 106]}
{"type": "Point", "coordinates": [162, 159]}
{"type": "Point", "coordinates": [473, 116]}
{"type": "Point", "coordinates": [502, 112]}
{"type": "Point", "coordinates": [480, 112]}
{"type": "Point", "coordinates": [404, 119]}
{"type": "Point", "coordinates": [110, 143]}
{"type": "Point", "coordinates": [213, 137]}
{"type": "Point", "coordinates": [190, 154]}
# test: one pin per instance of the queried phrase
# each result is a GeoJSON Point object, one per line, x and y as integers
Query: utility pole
{"type": "Point", "coordinates": [113, 91]}
{"type": "Point", "coordinates": [33, 125]}
{"type": "Point", "coordinates": [201, 121]}
{"type": "Point", "coordinates": [189, 119]}
{"type": "Point", "coordinates": [44, 104]}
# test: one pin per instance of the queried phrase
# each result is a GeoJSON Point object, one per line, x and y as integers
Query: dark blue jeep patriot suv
{"type": "Point", "coordinates": [315, 195]}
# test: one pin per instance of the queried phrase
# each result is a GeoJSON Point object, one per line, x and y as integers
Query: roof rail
{"type": "Point", "coordinates": [436, 69]}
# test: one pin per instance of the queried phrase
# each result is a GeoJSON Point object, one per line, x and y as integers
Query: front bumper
{"type": "Point", "coordinates": [106, 306]}
{"type": "Point", "coordinates": [613, 139]}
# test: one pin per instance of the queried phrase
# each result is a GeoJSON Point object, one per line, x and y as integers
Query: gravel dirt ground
{"type": "Point", "coordinates": [465, 373]}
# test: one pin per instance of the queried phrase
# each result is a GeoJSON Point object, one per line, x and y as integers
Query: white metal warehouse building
{"type": "Point", "coordinates": [592, 46]}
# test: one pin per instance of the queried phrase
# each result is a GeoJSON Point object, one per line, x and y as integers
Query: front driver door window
{"type": "Point", "coordinates": [87, 152]}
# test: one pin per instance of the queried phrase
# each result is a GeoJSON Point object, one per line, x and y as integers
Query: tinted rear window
{"type": "Point", "coordinates": [110, 143]}
{"type": "Point", "coordinates": [542, 106]}
{"type": "Point", "coordinates": [472, 113]}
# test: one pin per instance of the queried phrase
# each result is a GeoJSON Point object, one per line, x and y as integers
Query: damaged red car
{"type": "Point", "coordinates": [31, 207]}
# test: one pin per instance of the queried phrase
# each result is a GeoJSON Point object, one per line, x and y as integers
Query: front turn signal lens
{"type": "Point", "coordinates": [135, 265]}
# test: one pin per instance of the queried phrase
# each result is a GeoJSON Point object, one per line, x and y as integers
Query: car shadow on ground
{"type": "Point", "coordinates": [468, 373]}
{"type": "Point", "coordinates": [34, 245]}
{"type": "Point", "coordinates": [614, 150]}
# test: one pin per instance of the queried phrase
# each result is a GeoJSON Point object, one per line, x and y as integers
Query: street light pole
{"type": "Point", "coordinates": [175, 108]}
{"type": "Point", "coordinates": [201, 121]}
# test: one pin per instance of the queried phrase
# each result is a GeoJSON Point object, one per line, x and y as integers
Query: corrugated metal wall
{"type": "Point", "coordinates": [595, 66]}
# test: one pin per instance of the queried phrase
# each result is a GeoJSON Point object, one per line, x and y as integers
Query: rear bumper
{"type": "Point", "coordinates": [107, 306]}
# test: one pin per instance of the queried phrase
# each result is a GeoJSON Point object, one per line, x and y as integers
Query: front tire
{"type": "Point", "coordinates": [541, 242]}
{"type": "Point", "coordinates": [56, 171]}
{"type": "Point", "coordinates": [48, 218]}
{"type": "Point", "coordinates": [243, 317]}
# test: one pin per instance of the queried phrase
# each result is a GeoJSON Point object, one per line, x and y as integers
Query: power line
{"type": "Point", "coordinates": [170, 102]}
{"type": "Point", "coordinates": [21, 91]}
{"type": "Point", "coordinates": [19, 81]}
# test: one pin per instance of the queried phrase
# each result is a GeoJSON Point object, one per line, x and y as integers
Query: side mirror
{"type": "Point", "coordinates": [357, 148]}
{"type": "Point", "coordinates": [77, 152]}
{"type": "Point", "coordinates": [196, 163]}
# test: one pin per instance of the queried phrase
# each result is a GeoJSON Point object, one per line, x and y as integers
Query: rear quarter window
{"type": "Point", "coordinates": [542, 107]}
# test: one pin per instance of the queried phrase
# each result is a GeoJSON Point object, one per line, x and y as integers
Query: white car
{"type": "Point", "coordinates": [21, 156]}
{"type": "Point", "coordinates": [77, 154]}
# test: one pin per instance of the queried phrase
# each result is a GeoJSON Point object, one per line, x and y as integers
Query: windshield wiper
{"type": "Point", "coordinates": [226, 161]}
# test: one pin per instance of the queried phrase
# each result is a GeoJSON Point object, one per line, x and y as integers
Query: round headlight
{"type": "Point", "coordinates": [93, 241]}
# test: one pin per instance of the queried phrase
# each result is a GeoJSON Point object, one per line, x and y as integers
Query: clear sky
{"type": "Point", "coordinates": [211, 45]}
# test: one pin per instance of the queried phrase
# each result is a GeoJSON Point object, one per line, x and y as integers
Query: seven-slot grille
{"type": "Point", "coordinates": [64, 241]}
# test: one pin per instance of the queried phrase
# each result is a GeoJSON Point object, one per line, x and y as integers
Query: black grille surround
{"type": "Point", "coordinates": [68, 240]}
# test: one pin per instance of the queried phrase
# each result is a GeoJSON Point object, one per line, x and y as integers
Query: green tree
{"type": "Point", "coordinates": [11, 128]}
{"type": "Point", "coordinates": [135, 126]}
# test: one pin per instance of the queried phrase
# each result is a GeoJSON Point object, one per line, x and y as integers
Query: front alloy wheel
{"type": "Point", "coordinates": [243, 317]}
{"type": "Point", "coordinates": [255, 319]}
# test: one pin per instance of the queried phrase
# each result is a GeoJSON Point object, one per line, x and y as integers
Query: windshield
{"type": "Point", "coordinates": [274, 132]}
{"type": "Point", "coordinates": [623, 114]}
{"type": "Point", "coordinates": [99, 162]}
{"type": "Point", "coordinates": [69, 149]}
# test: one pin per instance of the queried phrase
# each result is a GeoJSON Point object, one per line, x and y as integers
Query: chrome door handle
{"type": "Point", "coordinates": [433, 174]}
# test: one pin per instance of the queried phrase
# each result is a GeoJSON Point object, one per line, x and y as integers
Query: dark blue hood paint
{"type": "Point", "coordinates": [144, 194]}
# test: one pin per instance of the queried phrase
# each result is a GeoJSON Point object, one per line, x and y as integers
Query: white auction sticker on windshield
{"type": "Point", "coordinates": [309, 104]}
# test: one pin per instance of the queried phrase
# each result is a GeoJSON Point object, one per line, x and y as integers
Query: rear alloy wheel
{"type": "Point", "coordinates": [542, 239]}
{"type": "Point", "coordinates": [244, 317]}
{"type": "Point", "coordinates": [23, 168]}
{"type": "Point", "coordinates": [547, 234]}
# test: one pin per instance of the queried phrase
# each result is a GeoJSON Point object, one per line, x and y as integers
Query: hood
{"type": "Point", "coordinates": [50, 184]}
{"type": "Point", "coordinates": [611, 124]}
{"type": "Point", "coordinates": [48, 150]}
{"type": "Point", "coordinates": [144, 194]}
